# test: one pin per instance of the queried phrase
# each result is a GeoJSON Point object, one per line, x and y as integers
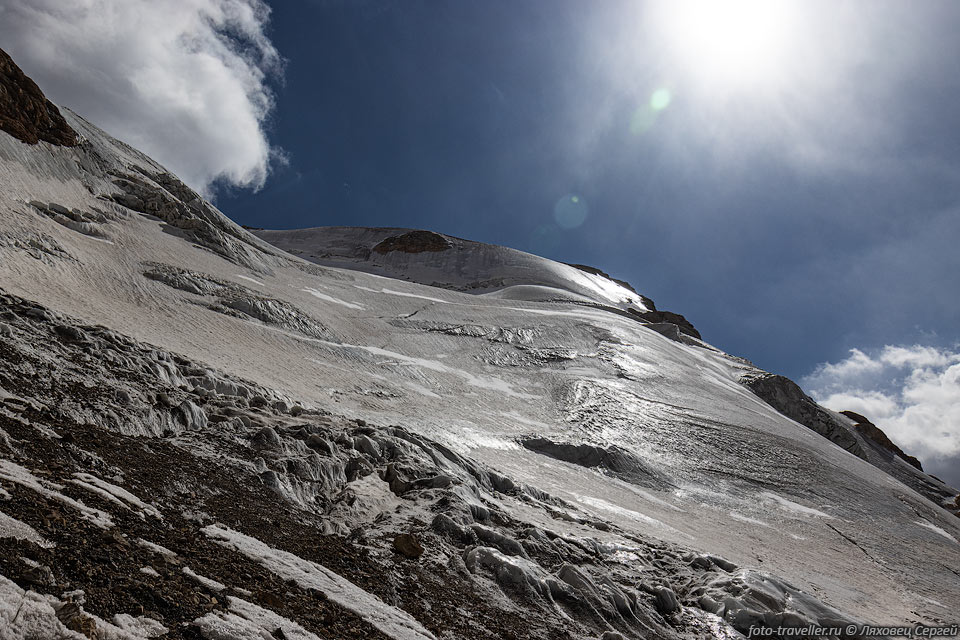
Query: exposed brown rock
{"type": "Point", "coordinates": [875, 433]}
{"type": "Point", "coordinates": [408, 545]}
{"type": "Point", "coordinates": [413, 242]}
{"type": "Point", "coordinates": [25, 113]}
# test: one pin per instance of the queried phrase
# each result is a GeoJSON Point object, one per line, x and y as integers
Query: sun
{"type": "Point", "coordinates": [727, 40]}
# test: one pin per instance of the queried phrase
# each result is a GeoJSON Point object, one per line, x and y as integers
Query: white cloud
{"type": "Point", "coordinates": [185, 81]}
{"type": "Point", "coordinates": [858, 375]}
{"type": "Point", "coordinates": [872, 404]}
{"type": "Point", "coordinates": [917, 356]}
{"type": "Point", "coordinates": [911, 392]}
{"type": "Point", "coordinates": [857, 365]}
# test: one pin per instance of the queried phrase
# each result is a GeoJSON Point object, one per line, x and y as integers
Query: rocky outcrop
{"type": "Point", "coordinates": [413, 242]}
{"type": "Point", "coordinates": [668, 317]}
{"type": "Point", "coordinates": [788, 398]}
{"type": "Point", "coordinates": [25, 113]}
{"type": "Point", "coordinates": [872, 431]}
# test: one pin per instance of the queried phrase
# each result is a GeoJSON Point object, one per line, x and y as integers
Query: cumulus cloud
{"type": "Point", "coordinates": [859, 365]}
{"type": "Point", "coordinates": [185, 81]}
{"type": "Point", "coordinates": [911, 392]}
{"type": "Point", "coordinates": [875, 405]}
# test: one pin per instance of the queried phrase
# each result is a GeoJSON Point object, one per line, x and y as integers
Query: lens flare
{"type": "Point", "coordinates": [646, 116]}
{"type": "Point", "coordinates": [660, 99]}
{"type": "Point", "coordinates": [570, 211]}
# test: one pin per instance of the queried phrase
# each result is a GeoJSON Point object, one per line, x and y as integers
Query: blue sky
{"type": "Point", "coordinates": [791, 218]}
{"type": "Point", "coordinates": [784, 173]}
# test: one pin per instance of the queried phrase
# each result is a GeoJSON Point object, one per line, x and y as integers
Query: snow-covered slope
{"type": "Point", "coordinates": [507, 274]}
{"type": "Point", "coordinates": [453, 263]}
{"type": "Point", "coordinates": [255, 442]}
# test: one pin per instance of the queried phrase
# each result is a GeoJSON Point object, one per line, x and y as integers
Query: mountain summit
{"type": "Point", "coordinates": [207, 432]}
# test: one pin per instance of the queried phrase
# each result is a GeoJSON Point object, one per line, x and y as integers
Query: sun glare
{"type": "Point", "coordinates": [727, 40]}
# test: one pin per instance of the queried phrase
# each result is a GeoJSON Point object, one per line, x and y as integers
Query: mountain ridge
{"type": "Point", "coordinates": [367, 249]}
{"type": "Point", "coordinates": [206, 436]}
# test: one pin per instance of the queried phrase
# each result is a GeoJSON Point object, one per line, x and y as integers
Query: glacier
{"type": "Point", "coordinates": [278, 411]}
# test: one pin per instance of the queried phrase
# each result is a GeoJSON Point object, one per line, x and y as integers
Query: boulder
{"type": "Point", "coordinates": [408, 545]}
{"type": "Point", "coordinates": [666, 601]}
